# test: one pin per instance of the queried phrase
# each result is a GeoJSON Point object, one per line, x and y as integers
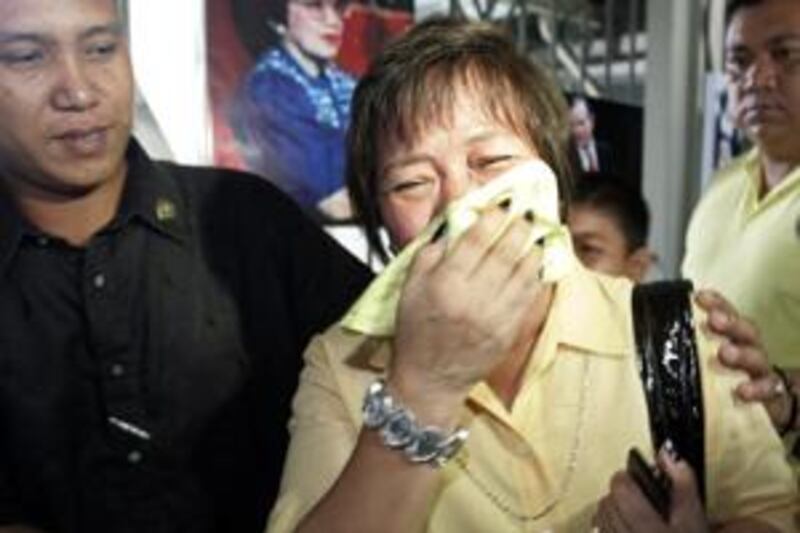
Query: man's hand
{"type": "Point", "coordinates": [742, 350]}
{"type": "Point", "coordinates": [625, 508]}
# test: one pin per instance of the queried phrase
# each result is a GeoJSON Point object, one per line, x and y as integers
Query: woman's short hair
{"type": "Point", "coordinates": [259, 22]}
{"type": "Point", "coordinates": [414, 82]}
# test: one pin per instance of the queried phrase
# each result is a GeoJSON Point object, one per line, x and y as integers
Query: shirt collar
{"type": "Point", "coordinates": [150, 195]}
{"type": "Point", "coordinates": [751, 165]}
{"type": "Point", "coordinates": [588, 316]}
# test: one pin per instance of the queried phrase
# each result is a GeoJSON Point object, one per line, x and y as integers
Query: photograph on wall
{"type": "Point", "coordinates": [281, 77]}
{"type": "Point", "coordinates": [722, 140]}
{"type": "Point", "coordinates": [606, 137]}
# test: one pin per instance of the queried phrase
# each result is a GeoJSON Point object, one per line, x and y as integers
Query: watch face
{"type": "Point", "coordinates": [399, 429]}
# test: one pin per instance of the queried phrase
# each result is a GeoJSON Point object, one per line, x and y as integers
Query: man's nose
{"type": "Point", "coordinates": [763, 73]}
{"type": "Point", "coordinates": [73, 89]}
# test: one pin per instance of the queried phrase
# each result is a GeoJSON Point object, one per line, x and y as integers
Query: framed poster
{"type": "Point", "coordinates": [606, 137]}
{"type": "Point", "coordinates": [281, 76]}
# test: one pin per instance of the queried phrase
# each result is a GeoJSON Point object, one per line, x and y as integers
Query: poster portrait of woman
{"type": "Point", "coordinates": [286, 110]}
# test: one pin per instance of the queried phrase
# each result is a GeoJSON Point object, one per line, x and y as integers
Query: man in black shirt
{"type": "Point", "coordinates": [152, 316]}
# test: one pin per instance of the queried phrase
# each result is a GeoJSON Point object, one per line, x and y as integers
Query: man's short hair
{"type": "Point", "coordinates": [607, 193]}
{"type": "Point", "coordinates": [733, 6]}
{"type": "Point", "coordinates": [579, 99]}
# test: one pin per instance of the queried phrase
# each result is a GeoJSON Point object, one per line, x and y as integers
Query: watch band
{"type": "Point", "coordinates": [399, 430]}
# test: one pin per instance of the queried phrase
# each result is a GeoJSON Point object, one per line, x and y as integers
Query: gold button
{"type": "Point", "coordinates": [165, 210]}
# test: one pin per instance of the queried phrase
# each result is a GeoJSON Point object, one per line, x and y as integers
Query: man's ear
{"type": "Point", "coordinates": [638, 263]}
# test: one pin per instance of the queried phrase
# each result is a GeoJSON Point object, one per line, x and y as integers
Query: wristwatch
{"type": "Point", "coordinates": [399, 430]}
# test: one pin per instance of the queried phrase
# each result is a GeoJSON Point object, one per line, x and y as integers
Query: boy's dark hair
{"type": "Point", "coordinates": [735, 5]}
{"type": "Point", "coordinates": [609, 194]}
{"type": "Point", "coordinates": [413, 83]}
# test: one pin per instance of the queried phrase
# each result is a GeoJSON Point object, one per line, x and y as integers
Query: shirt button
{"type": "Point", "coordinates": [42, 241]}
{"type": "Point", "coordinates": [99, 281]}
{"type": "Point", "coordinates": [135, 457]}
{"type": "Point", "coordinates": [117, 370]}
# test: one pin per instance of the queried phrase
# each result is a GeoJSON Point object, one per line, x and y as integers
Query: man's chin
{"type": "Point", "coordinates": [778, 141]}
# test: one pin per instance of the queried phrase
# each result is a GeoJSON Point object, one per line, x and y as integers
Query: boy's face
{"type": "Point", "coordinates": [601, 246]}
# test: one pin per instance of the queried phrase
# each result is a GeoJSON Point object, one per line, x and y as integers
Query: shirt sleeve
{"type": "Point", "coordinates": [746, 470]}
{"type": "Point", "coordinates": [323, 436]}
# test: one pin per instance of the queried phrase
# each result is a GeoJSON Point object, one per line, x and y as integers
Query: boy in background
{"type": "Point", "coordinates": [609, 222]}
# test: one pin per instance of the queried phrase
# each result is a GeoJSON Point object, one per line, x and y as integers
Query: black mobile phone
{"type": "Point", "coordinates": [655, 484]}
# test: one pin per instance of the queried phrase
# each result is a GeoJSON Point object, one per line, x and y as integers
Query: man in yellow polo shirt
{"type": "Point", "coordinates": [744, 237]}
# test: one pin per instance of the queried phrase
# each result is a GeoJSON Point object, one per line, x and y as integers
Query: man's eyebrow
{"type": "Point", "coordinates": [12, 37]}
{"type": "Point", "coordinates": [113, 28]}
{"type": "Point", "coordinates": [736, 47]}
{"type": "Point", "coordinates": [784, 38]}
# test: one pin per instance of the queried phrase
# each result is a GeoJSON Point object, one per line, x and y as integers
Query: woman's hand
{"type": "Point", "coordinates": [461, 312]}
{"type": "Point", "coordinates": [625, 508]}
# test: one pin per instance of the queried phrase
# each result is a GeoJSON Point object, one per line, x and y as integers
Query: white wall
{"type": "Point", "coordinates": [168, 49]}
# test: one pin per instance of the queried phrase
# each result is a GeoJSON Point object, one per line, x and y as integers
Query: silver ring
{"type": "Point", "coordinates": [778, 388]}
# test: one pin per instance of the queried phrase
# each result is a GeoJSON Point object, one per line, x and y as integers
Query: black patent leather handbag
{"type": "Point", "coordinates": [670, 369]}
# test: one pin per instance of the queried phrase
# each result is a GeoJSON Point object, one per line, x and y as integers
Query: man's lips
{"type": "Point", "coordinates": [78, 132]}
{"type": "Point", "coordinates": [755, 113]}
{"type": "Point", "coordinates": [83, 142]}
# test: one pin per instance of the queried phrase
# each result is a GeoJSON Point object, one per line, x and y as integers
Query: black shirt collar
{"type": "Point", "coordinates": [150, 195]}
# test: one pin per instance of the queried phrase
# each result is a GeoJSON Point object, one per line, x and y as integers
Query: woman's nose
{"type": "Point", "coordinates": [455, 185]}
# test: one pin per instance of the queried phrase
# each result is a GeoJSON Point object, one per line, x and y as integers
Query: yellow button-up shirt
{"type": "Point", "coordinates": [579, 411]}
{"type": "Point", "coordinates": [748, 248]}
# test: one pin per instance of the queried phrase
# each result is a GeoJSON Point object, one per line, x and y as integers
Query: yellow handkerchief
{"type": "Point", "coordinates": [530, 186]}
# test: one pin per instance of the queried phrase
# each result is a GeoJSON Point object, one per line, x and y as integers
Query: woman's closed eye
{"type": "Point", "coordinates": [492, 161]}
{"type": "Point", "coordinates": [407, 186]}
{"type": "Point", "coordinates": [488, 167]}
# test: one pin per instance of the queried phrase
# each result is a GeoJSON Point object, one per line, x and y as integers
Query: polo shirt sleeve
{"type": "Point", "coordinates": [747, 474]}
{"type": "Point", "coordinates": [323, 436]}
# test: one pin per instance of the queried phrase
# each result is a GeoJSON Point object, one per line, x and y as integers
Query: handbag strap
{"type": "Point", "coordinates": [670, 370]}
